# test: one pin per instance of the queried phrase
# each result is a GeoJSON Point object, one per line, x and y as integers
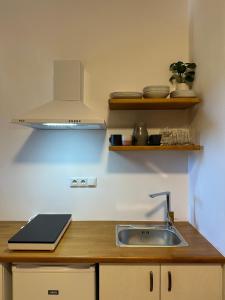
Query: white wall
{"type": "Point", "coordinates": [124, 45]}
{"type": "Point", "coordinates": [207, 188]}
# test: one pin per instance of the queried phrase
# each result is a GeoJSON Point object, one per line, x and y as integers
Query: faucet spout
{"type": "Point", "coordinates": [169, 213]}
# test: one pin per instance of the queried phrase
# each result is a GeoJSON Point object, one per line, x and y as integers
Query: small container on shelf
{"type": "Point", "coordinates": [116, 140]}
{"type": "Point", "coordinates": [127, 139]}
{"type": "Point", "coordinates": [154, 140]}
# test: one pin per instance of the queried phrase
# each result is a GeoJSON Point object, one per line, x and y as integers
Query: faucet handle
{"type": "Point", "coordinates": [171, 216]}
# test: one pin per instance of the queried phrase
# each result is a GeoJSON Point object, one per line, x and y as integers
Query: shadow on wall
{"type": "Point", "coordinates": [162, 163]}
{"type": "Point", "coordinates": [156, 118]}
{"type": "Point", "coordinates": [155, 162]}
{"type": "Point", "coordinates": [60, 147]}
{"type": "Point", "coordinates": [87, 147]}
{"type": "Point", "coordinates": [204, 127]}
{"type": "Point", "coordinates": [156, 209]}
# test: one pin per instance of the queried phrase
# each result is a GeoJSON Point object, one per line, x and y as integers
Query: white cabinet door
{"type": "Point", "coordinates": [192, 281]}
{"type": "Point", "coordinates": [129, 282]}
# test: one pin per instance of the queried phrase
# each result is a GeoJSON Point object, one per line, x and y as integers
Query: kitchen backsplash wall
{"type": "Point", "coordinates": [124, 45]}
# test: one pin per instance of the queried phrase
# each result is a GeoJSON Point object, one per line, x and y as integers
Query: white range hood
{"type": "Point", "coordinates": [67, 110]}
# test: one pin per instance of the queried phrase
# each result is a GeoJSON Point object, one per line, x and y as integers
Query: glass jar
{"type": "Point", "coordinates": [140, 134]}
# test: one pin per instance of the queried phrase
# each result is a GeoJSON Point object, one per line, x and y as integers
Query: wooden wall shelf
{"type": "Point", "coordinates": [157, 148]}
{"type": "Point", "coordinates": [152, 104]}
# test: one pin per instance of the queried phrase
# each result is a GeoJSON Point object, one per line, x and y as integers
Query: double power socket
{"type": "Point", "coordinates": [77, 182]}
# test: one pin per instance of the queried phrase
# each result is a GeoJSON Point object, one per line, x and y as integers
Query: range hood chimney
{"type": "Point", "coordinates": [67, 110]}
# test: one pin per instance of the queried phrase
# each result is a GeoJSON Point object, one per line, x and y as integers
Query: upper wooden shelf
{"type": "Point", "coordinates": [152, 103]}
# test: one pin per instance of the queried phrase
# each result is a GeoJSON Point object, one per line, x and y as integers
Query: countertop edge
{"type": "Point", "coordinates": [106, 260]}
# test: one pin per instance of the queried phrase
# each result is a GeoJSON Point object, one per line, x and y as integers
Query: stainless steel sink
{"type": "Point", "coordinates": [149, 236]}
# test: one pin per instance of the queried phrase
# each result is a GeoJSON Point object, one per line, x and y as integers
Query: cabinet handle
{"type": "Point", "coordinates": [169, 281]}
{"type": "Point", "coordinates": [151, 281]}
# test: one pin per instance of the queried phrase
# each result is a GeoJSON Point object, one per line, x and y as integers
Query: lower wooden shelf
{"type": "Point", "coordinates": [157, 148]}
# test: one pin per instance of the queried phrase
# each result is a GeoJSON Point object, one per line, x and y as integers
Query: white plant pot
{"type": "Point", "coordinates": [182, 87]}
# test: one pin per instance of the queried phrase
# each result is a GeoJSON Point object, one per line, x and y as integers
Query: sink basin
{"type": "Point", "coordinates": [148, 236]}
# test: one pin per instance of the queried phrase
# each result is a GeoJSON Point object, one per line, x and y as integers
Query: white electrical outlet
{"type": "Point", "coordinates": [83, 182]}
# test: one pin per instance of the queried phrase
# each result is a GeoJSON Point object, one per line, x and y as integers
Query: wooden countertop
{"type": "Point", "coordinates": [94, 242]}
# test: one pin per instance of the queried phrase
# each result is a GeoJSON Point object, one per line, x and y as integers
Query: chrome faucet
{"type": "Point", "coordinates": [169, 213]}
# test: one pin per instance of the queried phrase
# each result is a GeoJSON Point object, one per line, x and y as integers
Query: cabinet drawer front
{"type": "Point", "coordinates": [60, 286]}
{"type": "Point", "coordinates": [195, 282]}
{"type": "Point", "coordinates": [131, 282]}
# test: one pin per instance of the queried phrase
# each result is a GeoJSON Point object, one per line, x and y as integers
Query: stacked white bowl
{"type": "Point", "coordinates": [125, 95]}
{"type": "Point", "coordinates": [156, 91]}
{"type": "Point", "coordinates": [182, 94]}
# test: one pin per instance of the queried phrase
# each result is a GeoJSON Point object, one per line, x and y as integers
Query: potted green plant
{"type": "Point", "coordinates": [183, 74]}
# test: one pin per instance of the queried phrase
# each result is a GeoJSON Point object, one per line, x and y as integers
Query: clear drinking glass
{"type": "Point", "coordinates": [167, 136]}
{"type": "Point", "coordinates": [175, 136]}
